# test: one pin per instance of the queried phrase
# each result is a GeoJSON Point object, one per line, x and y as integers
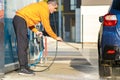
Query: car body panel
{"type": "Point", "coordinates": [109, 40]}
{"type": "Point", "coordinates": [110, 35]}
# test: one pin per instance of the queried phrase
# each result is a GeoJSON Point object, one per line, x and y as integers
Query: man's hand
{"type": "Point", "coordinates": [59, 39]}
{"type": "Point", "coordinates": [38, 33]}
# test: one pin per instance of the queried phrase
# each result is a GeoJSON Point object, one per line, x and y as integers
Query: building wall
{"type": "Point", "coordinates": [95, 2]}
{"type": "Point", "coordinates": [90, 22]}
{"type": "Point", "coordinates": [69, 15]}
{"type": "Point", "coordinates": [1, 40]}
{"type": "Point", "coordinates": [90, 12]}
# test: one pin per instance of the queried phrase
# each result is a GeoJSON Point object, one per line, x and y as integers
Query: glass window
{"type": "Point", "coordinates": [73, 4]}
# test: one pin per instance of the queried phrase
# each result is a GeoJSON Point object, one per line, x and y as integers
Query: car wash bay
{"type": "Point", "coordinates": [82, 70]}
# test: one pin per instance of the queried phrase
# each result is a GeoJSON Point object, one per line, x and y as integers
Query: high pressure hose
{"type": "Point", "coordinates": [52, 60]}
{"type": "Point", "coordinates": [55, 52]}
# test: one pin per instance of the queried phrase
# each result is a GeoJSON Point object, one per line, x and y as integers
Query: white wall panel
{"type": "Point", "coordinates": [90, 22]}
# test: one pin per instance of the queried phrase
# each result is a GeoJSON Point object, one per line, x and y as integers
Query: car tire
{"type": "Point", "coordinates": [104, 71]}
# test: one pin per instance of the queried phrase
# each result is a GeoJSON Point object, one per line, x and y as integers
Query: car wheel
{"type": "Point", "coordinates": [104, 71]}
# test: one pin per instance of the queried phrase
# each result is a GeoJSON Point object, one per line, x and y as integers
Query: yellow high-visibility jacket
{"type": "Point", "coordinates": [35, 13]}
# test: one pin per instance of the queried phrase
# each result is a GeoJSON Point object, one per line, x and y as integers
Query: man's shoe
{"type": "Point", "coordinates": [25, 71]}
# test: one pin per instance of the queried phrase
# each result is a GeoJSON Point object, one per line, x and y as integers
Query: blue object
{"type": "Point", "coordinates": [37, 61]}
{"type": "Point", "coordinates": [110, 35]}
{"type": "Point", "coordinates": [33, 45]}
{"type": "Point", "coordinates": [109, 40]}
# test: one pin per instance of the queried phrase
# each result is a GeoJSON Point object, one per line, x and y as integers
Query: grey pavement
{"type": "Point", "coordinates": [74, 61]}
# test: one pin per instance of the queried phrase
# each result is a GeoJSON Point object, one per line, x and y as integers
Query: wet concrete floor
{"type": "Point", "coordinates": [70, 64]}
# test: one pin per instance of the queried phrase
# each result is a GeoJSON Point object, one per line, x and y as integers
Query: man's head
{"type": "Point", "coordinates": [53, 5]}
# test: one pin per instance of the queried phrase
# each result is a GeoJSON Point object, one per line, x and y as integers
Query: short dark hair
{"type": "Point", "coordinates": [54, 2]}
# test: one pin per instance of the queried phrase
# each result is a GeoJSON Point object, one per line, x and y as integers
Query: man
{"type": "Point", "coordinates": [28, 17]}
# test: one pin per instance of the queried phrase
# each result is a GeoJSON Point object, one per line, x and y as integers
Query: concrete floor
{"type": "Point", "coordinates": [70, 64]}
{"type": "Point", "coordinates": [60, 70]}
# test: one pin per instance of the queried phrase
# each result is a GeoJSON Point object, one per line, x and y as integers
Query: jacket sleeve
{"type": "Point", "coordinates": [33, 29]}
{"type": "Point", "coordinates": [46, 25]}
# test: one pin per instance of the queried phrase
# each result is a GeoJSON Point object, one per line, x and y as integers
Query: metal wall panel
{"type": "Point", "coordinates": [1, 39]}
{"type": "Point", "coordinates": [10, 45]}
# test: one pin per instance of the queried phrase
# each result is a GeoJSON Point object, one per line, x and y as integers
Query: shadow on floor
{"type": "Point", "coordinates": [81, 64]}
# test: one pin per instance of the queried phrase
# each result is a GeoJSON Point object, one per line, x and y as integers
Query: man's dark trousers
{"type": "Point", "coordinates": [20, 28]}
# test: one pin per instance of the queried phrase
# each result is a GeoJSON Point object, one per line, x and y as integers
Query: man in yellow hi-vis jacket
{"type": "Point", "coordinates": [28, 17]}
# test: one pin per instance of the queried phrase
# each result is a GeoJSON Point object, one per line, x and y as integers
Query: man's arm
{"type": "Point", "coordinates": [47, 27]}
{"type": "Point", "coordinates": [32, 28]}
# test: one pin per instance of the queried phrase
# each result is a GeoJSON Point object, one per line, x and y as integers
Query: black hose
{"type": "Point", "coordinates": [52, 60]}
{"type": "Point", "coordinates": [55, 52]}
